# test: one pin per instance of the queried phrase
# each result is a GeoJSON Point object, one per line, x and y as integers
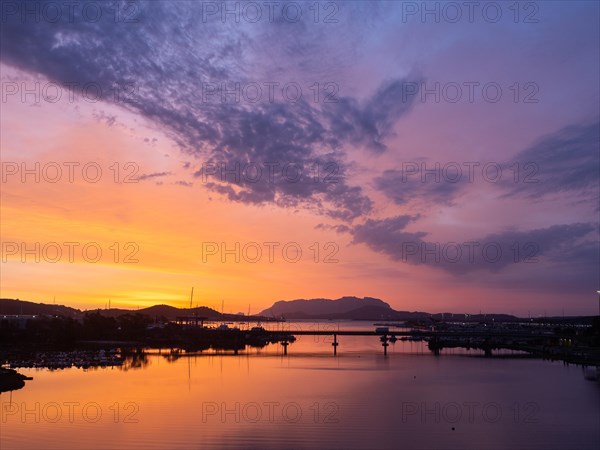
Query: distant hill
{"type": "Point", "coordinates": [368, 308]}
{"type": "Point", "coordinates": [324, 308]}
{"type": "Point", "coordinates": [345, 308]}
{"type": "Point", "coordinates": [18, 307]}
{"type": "Point", "coordinates": [171, 313]}
{"type": "Point", "coordinates": [14, 307]}
{"type": "Point", "coordinates": [353, 308]}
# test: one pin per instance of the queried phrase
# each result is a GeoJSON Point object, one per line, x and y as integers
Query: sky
{"type": "Point", "coordinates": [436, 155]}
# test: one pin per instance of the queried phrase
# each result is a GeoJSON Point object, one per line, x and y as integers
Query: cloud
{"type": "Point", "coordinates": [337, 228]}
{"type": "Point", "coordinates": [166, 66]}
{"type": "Point", "coordinates": [150, 176]}
{"type": "Point", "coordinates": [565, 162]}
{"type": "Point", "coordinates": [372, 123]}
{"type": "Point", "coordinates": [565, 245]}
{"type": "Point", "coordinates": [404, 185]}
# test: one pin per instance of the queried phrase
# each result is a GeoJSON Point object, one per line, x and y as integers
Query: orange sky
{"type": "Point", "coordinates": [154, 233]}
{"type": "Point", "coordinates": [167, 224]}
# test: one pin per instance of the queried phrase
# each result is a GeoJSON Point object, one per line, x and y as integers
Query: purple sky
{"type": "Point", "coordinates": [408, 92]}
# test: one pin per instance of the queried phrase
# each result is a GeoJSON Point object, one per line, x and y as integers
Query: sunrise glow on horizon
{"type": "Point", "coordinates": [365, 157]}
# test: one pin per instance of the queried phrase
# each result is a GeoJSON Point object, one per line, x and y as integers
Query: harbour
{"type": "Point", "coordinates": [309, 398]}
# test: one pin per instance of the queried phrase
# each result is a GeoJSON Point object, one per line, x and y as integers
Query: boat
{"type": "Point", "coordinates": [11, 380]}
{"type": "Point", "coordinates": [226, 327]}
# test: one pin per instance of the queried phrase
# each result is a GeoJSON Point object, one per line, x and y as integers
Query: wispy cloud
{"type": "Point", "coordinates": [564, 244]}
{"type": "Point", "coordinates": [150, 176]}
{"type": "Point", "coordinates": [566, 162]}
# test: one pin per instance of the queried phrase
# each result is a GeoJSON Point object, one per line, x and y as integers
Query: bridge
{"type": "Point", "coordinates": [436, 338]}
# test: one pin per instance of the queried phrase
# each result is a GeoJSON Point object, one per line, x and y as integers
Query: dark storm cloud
{"type": "Point", "coordinates": [160, 65]}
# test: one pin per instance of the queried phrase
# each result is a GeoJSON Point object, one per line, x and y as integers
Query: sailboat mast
{"type": "Point", "coordinates": [191, 297]}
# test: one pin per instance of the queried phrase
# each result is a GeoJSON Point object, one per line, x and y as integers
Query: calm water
{"type": "Point", "coordinates": [309, 399]}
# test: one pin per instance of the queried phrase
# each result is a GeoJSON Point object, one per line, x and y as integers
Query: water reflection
{"type": "Point", "coordinates": [134, 359]}
{"type": "Point", "coordinates": [356, 400]}
{"type": "Point", "coordinates": [259, 398]}
{"type": "Point", "coordinates": [11, 380]}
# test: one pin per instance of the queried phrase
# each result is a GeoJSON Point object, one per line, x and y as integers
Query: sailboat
{"type": "Point", "coordinates": [225, 325]}
{"type": "Point", "coordinates": [247, 322]}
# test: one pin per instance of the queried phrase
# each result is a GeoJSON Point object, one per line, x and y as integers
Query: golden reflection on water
{"type": "Point", "coordinates": [308, 399]}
